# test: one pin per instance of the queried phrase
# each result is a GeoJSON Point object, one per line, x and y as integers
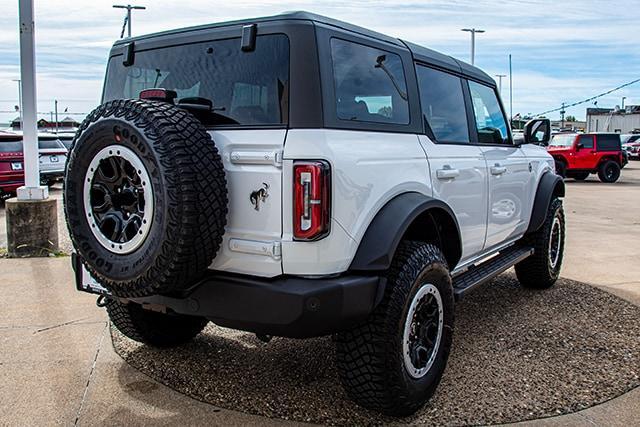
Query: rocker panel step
{"type": "Point", "coordinates": [487, 270]}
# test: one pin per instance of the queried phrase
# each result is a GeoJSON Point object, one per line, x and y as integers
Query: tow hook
{"type": "Point", "coordinates": [101, 301]}
{"type": "Point", "coordinates": [264, 338]}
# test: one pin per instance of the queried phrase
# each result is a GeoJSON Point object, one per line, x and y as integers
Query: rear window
{"type": "Point", "coordinates": [369, 83]}
{"type": "Point", "coordinates": [48, 144]}
{"type": "Point", "coordinates": [246, 88]}
{"type": "Point", "coordinates": [608, 143]}
{"type": "Point", "coordinates": [11, 147]}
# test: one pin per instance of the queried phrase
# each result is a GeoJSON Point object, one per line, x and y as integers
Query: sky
{"type": "Point", "coordinates": [563, 51]}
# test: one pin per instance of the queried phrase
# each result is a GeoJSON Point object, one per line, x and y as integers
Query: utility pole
{"type": "Point", "coordinates": [32, 189]}
{"type": "Point", "coordinates": [128, 17]}
{"type": "Point", "coordinates": [19, 100]}
{"type": "Point", "coordinates": [500, 76]}
{"type": "Point", "coordinates": [473, 32]}
{"type": "Point", "coordinates": [562, 111]}
{"type": "Point", "coordinates": [622, 107]}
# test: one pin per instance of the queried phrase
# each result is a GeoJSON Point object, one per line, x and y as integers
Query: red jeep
{"type": "Point", "coordinates": [11, 164]}
{"type": "Point", "coordinates": [578, 155]}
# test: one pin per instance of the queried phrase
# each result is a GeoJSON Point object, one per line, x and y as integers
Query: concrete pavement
{"type": "Point", "coordinates": [57, 366]}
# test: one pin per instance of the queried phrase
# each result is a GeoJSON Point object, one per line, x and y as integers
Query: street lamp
{"type": "Point", "coordinates": [128, 18]}
{"type": "Point", "coordinates": [500, 76]}
{"type": "Point", "coordinates": [473, 32]}
{"type": "Point", "coordinates": [623, 98]}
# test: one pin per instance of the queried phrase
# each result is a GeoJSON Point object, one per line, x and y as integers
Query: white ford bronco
{"type": "Point", "coordinates": [297, 176]}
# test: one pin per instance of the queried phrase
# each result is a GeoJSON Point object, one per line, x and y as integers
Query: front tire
{"type": "Point", "coordinates": [151, 327]}
{"type": "Point", "coordinates": [561, 169]}
{"type": "Point", "coordinates": [609, 171]}
{"type": "Point", "coordinates": [580, 176]}
{"type": "Point", "coordinates": [394, 361]}
{"type": "Point", "coordinates": [542, 269]}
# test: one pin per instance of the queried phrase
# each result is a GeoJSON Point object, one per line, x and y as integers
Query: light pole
{"type": "Point", "coordinates": [623, 98]}
{"type": "Point", "coordinates": [473, 32]}
{"type": "Point", "coordinates": [19, 99]}
{"type": "Point", "coordinates": [128, 18]}
{"type": "Point", "coordinates": [500, 76]}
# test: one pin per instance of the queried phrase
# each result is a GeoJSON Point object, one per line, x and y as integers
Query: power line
{"type": "Point", "coordinates": [588, 99]}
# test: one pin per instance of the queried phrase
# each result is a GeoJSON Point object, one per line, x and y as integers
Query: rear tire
{"type": "Point", "coordinates": [609, 171]}
{"type": "Point", "coordinates": [542, 269]}
{"type": "Point", "coordinates": [151, 327]}
{"type": "Point", "coordinates": [394, 361]}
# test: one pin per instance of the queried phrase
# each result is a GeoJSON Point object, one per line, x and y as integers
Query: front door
{"type": "Point", "coordinates": [585, 153]}
{"type": "Point", "coordinates": [510, 174]}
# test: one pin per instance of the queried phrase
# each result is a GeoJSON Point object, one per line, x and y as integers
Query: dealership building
{"type": "Point", "coordinates": [618, 120]}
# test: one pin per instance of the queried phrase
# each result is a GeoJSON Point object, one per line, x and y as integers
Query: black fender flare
{"type": "Point", "coordinates": [386, 230]}
{"type": "Point", "coordinates": [550, 186]}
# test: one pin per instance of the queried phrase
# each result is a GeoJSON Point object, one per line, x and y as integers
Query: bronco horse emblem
{"type": "Point", "coordinates": [259, 196]}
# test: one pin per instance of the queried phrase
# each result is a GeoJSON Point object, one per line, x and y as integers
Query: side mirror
{"type": "Point", "coordinates": [537, 131]}
{"type": "Point", "coordinates": [579, 146]}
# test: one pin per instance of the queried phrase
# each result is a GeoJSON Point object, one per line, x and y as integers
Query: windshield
{"type": "Point", "coordinates": [47, 144]}
{"type": "Point", "coordinates": [562, 140]}
{"type": "Point", "coordinates": [233, 86]}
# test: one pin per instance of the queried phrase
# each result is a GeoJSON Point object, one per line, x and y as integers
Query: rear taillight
{"type": "Point", "coordinates": [311, 199]}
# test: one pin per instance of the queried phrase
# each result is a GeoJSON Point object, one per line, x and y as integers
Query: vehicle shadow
{"type": "Point", "coordinates": [518, 354]}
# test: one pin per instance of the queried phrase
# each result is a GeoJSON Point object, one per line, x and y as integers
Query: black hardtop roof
{"type": "Point", "coordinates": [420, 53]}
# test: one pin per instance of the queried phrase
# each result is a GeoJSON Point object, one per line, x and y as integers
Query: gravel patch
{"type": "Point", "coordinates": [517, 355]}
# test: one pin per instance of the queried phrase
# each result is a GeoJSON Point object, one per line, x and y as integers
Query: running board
{"type": "Point", "coordinates": [487, 270]}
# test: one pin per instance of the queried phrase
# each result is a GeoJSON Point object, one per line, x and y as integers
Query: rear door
{"type": "Point", "coordinates": [457, 167]}
{"type": "Point", "coordinates": [241, 96]}
{"type": "Point", "coordinates": [511, 183]}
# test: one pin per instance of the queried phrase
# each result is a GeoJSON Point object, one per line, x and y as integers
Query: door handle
{"type": "Point", "coordinates": [498, 170]}
{"type": "Point", "coordinates": [447, 173]}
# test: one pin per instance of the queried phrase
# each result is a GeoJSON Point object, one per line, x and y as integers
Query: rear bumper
{"type": "Point", "coordinates": [287, 306]}
{"type": "Point", "coordinates": [10, 186]}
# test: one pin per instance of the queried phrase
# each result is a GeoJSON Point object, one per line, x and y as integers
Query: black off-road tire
{"type": "Point", "coordinates": [189, 191]}
{"type": "Point", "coordinates": [370, 356]}
{"type": "Point", "coordinates": [538, 271]}
{"type": "Point", "coordinates": [609, 171]}
{"type": "Point", "coordinates": [151, 327]}
{"type": "Point", "coordinates": [561, 168]}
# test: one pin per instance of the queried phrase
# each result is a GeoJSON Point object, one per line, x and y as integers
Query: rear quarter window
{"type": "Point", "coordinates": [246, 88]}
{"type": "Point", "coordinates": [369, 84]}
{"type": "Point", "coordinates": [608, 143]}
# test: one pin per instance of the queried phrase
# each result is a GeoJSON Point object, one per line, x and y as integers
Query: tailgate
{"type": "Point", "coordinates": [253, 165]}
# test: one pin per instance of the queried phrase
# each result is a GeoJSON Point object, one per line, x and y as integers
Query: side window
{"type": "Point", "coordinates": [491, 123]}
{"type": "Point", "coordinates": [586, 141]}
{"type": "Point", "coordinates": [443, 106]}
{"type": "Point", "coordinates": [608, 142]}
{"type": "Point", "coordinates": [369, 83]}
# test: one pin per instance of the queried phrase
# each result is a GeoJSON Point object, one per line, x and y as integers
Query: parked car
{"type": "Point", "coordinates": [11, 164]}
{"type": "Point", "coordinates": [631, 144]}
{"type": "Point", "coordinates": [579, 155]}
{"type": "Point", "coordinates": [299, 176]}
{"type": "Point", "coordinates": [53, 157]}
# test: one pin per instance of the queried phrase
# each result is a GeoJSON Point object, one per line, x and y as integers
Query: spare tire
{"type": "Point", "coordinates": [145, 197]}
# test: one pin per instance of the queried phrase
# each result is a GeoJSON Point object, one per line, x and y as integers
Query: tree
{"type": "Point", "coordinates": [570, 119]}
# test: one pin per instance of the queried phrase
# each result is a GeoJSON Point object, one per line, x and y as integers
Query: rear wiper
{"type": "Point", "coordinates": [380, 64]}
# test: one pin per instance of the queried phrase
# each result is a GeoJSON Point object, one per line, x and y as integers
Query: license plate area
{"type": "Point", "coordinates": [16, 166]}
{"type": "Point", "coordinates": [84, 281]}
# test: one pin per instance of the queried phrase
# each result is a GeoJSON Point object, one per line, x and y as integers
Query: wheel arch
{"type": "Point", "coordinates": [409, 216]}
{"type": "Point", "coordinates": [549, 187]}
